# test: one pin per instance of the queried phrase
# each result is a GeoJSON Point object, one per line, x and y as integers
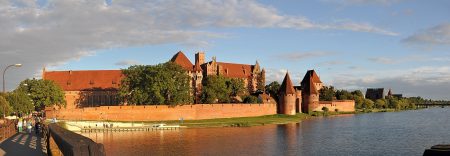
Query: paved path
{"type": "Point", "coordinates": [23, 144]}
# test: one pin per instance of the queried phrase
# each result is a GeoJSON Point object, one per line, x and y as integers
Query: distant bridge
{"type": "Point", "coordinates": [426, 105]}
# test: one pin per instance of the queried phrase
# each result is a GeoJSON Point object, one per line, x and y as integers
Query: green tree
{"type": "Point", "coordinates": [4, 106]}
{"type": "Point", "coordinates": [394, 103]}
{"type": "Point", "coordinates": [343, 95]}
{"type": "Point", "coordinates": [273, 89]}
{"type": "Point", "coordinates": [368, 104]}
{"type": "Point", "coordinates": [216, 89]}
{"type": "Point", "coordinates": [251, 99]}
{"type": "Point", "coordinates": [166, 83]}
{"type": "Point", "coordinates": [43, 93]}
{"type": "Point", "coordinates": [326, 93]}
{"type": "Point", "coordinates": [237, 86]}
{"type": "Point", "coordinates": [20, 102]}
{"type": "Point", "coordinates": [380, 103]}
{"type": "Point", "coordinates": [359, 101]}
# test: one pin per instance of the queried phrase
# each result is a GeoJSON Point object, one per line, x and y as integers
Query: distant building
{"type": "Point", "coordinates": [391, 94]}
{"type": "Point", "coordinates": [305, 98]}
{"type": "Point", "coordinates": [375, 93]}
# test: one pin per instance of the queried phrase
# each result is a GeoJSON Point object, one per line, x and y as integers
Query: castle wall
{"type": "Point", "coordinates": [340, 105]}
{"type": "Point", "coordinates": [160, 113]}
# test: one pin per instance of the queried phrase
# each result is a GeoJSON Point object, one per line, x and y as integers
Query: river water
{"type": "Point", "coordinates": [393, 133]}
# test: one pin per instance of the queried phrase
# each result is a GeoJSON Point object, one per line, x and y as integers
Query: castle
{"type": "Point", "coordinates": [88, 88]}
{"type": "Point", "coordinates": [305, 98]}
{"type": "Point", "coordinates": [252, 75]}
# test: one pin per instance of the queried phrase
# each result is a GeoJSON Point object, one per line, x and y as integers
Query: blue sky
{"type": "Point", "coordinates": [352, 44]}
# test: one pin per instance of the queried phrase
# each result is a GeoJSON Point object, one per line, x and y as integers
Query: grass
{"type": "Point", "coordinates": [259, 120]}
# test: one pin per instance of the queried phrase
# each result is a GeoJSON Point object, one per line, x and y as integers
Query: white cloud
{"type": "Point", "coordinates": [364, 2]}
{"type": "Point", "coordinates": [437, 35]}
{"type": "Point", "coordinates": [382, 60]}
{"type": "Point", "coordinates": [127, 63]}
{"type": "Point", "coordinates": [296, 56]}
{"type": "Point", "coordinates": [53, 33]}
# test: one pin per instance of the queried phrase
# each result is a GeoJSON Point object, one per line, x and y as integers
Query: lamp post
{"type": "Point", "coordinates": [4, 88]}
{"type": "Point", "coordinates": [4, 71]}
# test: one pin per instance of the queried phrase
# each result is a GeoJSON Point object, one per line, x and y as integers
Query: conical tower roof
{"type": "Point", "coordinates": [308, 82]}
{"type": "Point", "coordinates": [287, 87]}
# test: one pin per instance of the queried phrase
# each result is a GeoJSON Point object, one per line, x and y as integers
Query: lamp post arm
{"type": "Point", "coordinates": [4, 71]}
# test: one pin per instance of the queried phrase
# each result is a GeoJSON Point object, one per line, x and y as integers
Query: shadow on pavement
{"type": "Point", "coordinates": [23, 143]}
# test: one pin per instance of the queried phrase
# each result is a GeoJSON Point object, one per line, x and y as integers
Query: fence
{"type": "Point", "coordinates": [7, 129]}
{"type": "Point", "coordinates": [64, 142]}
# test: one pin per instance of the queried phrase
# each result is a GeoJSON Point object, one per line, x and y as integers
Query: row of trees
{"type": "Point", "coordinates": [328, 93]}
{"type": "Point", "coordinates": [168, 84]}
{"type": "Point", "coordinates": [30, 95]}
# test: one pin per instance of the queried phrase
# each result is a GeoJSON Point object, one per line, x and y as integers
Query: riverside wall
{"type": "Point", "coordinates": [341, 105]}
{"type": "Point", "coordinates": [162, 112]}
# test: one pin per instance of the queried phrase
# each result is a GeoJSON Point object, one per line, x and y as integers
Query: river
{"type": "Point", "coordinates": [392, 133]}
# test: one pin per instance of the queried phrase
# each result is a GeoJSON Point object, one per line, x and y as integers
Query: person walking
{"type": "Point", "coordinates": [19, 125]}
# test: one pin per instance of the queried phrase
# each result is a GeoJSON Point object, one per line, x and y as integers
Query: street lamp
{"type": "Point", "coordinates": [4, 71]}
{"type": "Point", "coordinates": [4, 90]}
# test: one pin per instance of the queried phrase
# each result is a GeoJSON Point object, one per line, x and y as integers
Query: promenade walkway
{"type": "Point", "coordinates": [23, 144]}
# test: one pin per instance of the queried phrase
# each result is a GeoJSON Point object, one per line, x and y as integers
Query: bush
{"type": "Point", "coordinates": [250, 99]}
{"type": "Point", "coordinates": [325, 109]}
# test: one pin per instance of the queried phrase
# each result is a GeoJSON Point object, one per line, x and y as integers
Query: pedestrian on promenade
{"type": "Point", "coordinates": [19, 125]}
{"type": "Point", "coordinates": [29, 126]}
{"type": "Point", "coordinates": [37, 127]}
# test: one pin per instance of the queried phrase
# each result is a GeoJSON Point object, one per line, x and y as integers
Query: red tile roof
{"type": "Point", "coordinates": [85, 79]}
{"type": "Point", "coordinates": [308, 82]}
{"type": "Point", "coordinates": [287, 87]}
{"type": "Point", "coordinates": [234, 70]}
{"type": "Point", "coordinates": [181, 59]}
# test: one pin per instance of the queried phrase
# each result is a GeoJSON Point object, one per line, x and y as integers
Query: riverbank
{"type": "Point", "coordinates": [226, 122]}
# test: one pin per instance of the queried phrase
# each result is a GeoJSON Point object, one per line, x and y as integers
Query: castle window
{"type": "Point", "coordinates": [91, 82]}
{"type": "Point", "coordinates": [69, 83]}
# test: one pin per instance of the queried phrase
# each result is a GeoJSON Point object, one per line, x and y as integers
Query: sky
{"type": "Point", "coordinates": [352, 44]}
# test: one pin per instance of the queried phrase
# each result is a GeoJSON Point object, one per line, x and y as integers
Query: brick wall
{"type": "Point", "coordinates": [159, 113]}
{"type": "Point", "coordinates": [341, 105]}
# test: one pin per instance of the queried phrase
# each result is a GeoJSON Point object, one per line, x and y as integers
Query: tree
{"type": "Point", "coordinates": [20, 102]}
{"type": "Point", "coordinates": [326, 93]}
{"type": "Point", "coordinates": [166, 83]}
{"type": "Point", "coordinates": [394, 103]}
{"type": "Point", "coordinates": [273, 89]}
{"type": "Point", "coordinates": [368, 104]}
{"type": "Point", "coordinates": [251, 99]}
{"type": "Point", "coordinates": [43, 93]}
{"type": "Point", "coordinates": [216, 90]}
{"type": "Point", "coordinates": [343, 95]}
{"type": "Point", "coordinates": [380, 103]}
{"type": "Point", "coordinates": [5, 108]}
{"type": "Point", "coordinates": [237, 86]}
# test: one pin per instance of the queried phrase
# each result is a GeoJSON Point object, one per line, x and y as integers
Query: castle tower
{"type": "Point", "coordinates": [286, 97]}
{"type": "Point", "coordinates": [197, 79]}
{"type": "Point", "coordinates": [389, 94]}
{"type": "Point", "coordinates": [310, 92]}
{"type": "Point", "coordinates": [200, 58]}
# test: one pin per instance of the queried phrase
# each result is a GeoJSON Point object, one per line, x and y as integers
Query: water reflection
{"type": "Point", "coordinates": [397, 133]}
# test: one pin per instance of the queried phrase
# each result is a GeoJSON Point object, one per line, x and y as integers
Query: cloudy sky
{"type": "Point", "coordinates": [352, 44]}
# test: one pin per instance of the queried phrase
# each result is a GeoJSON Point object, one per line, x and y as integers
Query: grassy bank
{"type": "Point", "coordinates": [255, 121]}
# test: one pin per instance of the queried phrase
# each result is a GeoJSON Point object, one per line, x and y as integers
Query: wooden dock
{"type": "Point", "coordinates": [124, 129]}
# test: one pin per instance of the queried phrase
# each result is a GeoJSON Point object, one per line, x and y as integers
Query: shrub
{"type": "Point", "coordinates": [250, 99]}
